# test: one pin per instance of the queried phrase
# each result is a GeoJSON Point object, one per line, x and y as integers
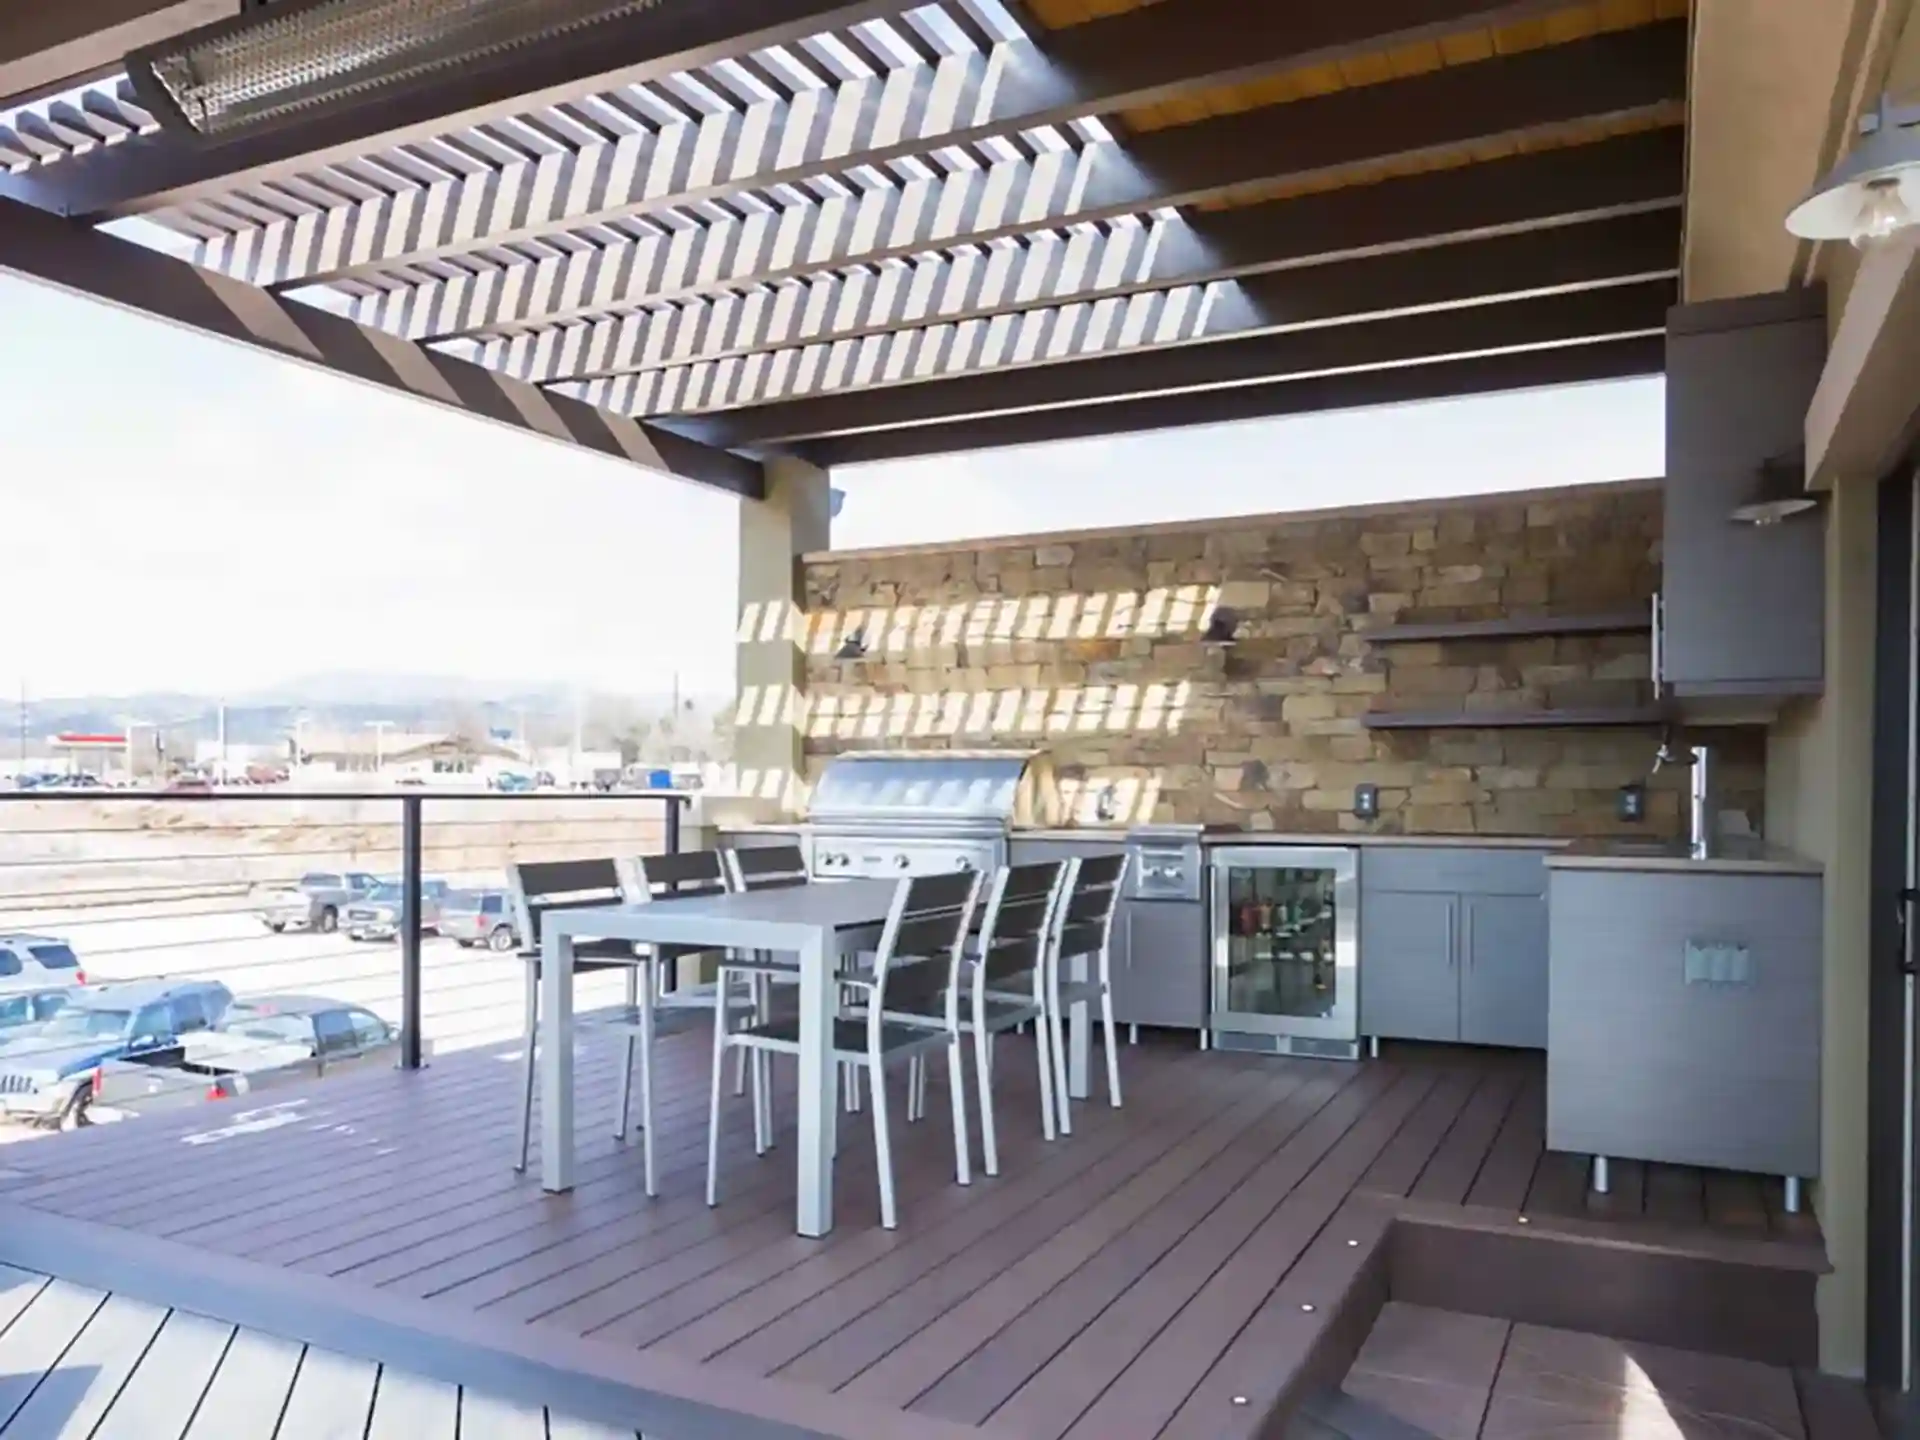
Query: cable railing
{"type": "Point", "coordinates": [195, 988]}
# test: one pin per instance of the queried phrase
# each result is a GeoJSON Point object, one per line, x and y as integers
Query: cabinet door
{"type": "Point", "coordinates": [1409, 976]}
{"type": "Point", "coordinates": [1160, 966]}
{"type": "Point", "coordinates": [1743, 604]}
{"type": "Point", "coordinates": [1503, 982]}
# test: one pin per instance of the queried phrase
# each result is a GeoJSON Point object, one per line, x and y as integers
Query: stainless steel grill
{"type": "Point", "coordinates": [882, 812]}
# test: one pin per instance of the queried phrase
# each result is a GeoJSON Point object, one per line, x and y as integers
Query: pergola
{"type": "Point", "coordinates": [742, 229]}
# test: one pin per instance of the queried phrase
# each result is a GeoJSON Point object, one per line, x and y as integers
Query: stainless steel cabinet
{"type": "Point", "coordinates": [1409, 978]}
{"type": "Point", "coordinates": [1160, 965]}
{"type": "Point", "coordinates": [1453, 946]}
{"type": "Point", "coordinates": [1740, 607]}
{"type": "Point", "coordinates": [1503, 980]}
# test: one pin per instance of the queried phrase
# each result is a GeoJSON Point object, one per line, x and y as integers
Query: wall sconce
{"type": "Point", "coordinates": [1779, 491]}
{"type": "Point", "coordinates": [854, 647]}
{"type": "Point", "coordinates": [1223, 628]}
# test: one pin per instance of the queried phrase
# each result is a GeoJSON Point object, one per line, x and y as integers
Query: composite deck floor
{"type": "Point", "coordinates": [1131, 1280]}
{"type": "Point", "coordinates": [82, 1364]}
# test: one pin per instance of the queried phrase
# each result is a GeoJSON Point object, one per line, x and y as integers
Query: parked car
{"type": "Point", "coordinates": [263, 1041]}
{"type": "Point", "coordinates": [511, 782]}
{"type": "Point", "coordinates": [39, 959]}
{"type": "Point", "coordinates": [29, 1005]}
{"type": "Point", "coordinates": [314, 902]}
{"type": "Point", "coordinates": [479, 917]}
{"type": "Point", "coordinates": [48, 1071]}
{"type": "Point", "coordinates": [376, 915]}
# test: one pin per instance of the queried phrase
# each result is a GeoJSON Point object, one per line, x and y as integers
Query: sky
{"type": "Point", "coordinates": [185, 514]}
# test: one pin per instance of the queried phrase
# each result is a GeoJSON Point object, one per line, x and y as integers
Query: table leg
{"type": "Point", "coordinates": [1079, 1024]}
{"type": "Point", "coordinates": [819, 993]}
{"type": "Point", "coordinates": [556, 1063]}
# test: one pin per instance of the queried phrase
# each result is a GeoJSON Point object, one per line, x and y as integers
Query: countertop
{"type": "Point", "coordinates": [1320, 839]}
{"type": "Point", "coordinates": [1734, 857]}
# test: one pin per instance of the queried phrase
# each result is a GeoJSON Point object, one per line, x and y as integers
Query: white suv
{"type": "Point", "coordinates": [38, 960]}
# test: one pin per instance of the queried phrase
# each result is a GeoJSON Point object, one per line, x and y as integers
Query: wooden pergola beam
{"type": "Point", "coordinates": [88, 262]}
{"type": "Point", "coordinates": [1298, 320]}
{"type": "Point", "coordinates": [1610, 359]}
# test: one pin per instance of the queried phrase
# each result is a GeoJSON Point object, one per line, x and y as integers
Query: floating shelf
{"type": "Point", "coordinates": [1619, 716]}
{"type": "Point", "coordinates": [1625, 622]}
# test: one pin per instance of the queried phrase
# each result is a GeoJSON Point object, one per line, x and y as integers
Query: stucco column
{"type": "Point", "coordinates": [771, 655]}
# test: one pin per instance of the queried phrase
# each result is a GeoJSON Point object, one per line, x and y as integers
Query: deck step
{"type": "Point", "coordinates": [1329, 1414]}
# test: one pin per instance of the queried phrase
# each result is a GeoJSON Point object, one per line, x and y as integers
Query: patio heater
{"type": "Point", "coordinates": [291, 60]}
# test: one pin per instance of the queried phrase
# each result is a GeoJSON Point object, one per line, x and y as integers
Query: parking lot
{"type": "Point", "coordinates": [468, 997]}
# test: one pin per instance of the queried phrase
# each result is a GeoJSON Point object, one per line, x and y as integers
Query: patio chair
{"type": "Point", "coordinates": [1006, 987]}
{"type": "Point", "coordinates": [920, 955]}
{"type": "Point", "coordinates": [541, 888]}
{"type": "Point", "coordinates": [1083, 925]}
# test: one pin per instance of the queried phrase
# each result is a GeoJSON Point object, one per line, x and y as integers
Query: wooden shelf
{"type": "Point", "coordinates": [1625, 622]}
{"type": "Point", "coordinates": [1618, 716]}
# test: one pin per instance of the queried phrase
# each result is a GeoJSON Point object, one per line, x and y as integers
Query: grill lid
{"type": "Point", "coordinates": [936, 787]}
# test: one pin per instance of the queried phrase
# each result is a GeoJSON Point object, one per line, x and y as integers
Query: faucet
{"type": "Point", "coordinates": [1699, 759]}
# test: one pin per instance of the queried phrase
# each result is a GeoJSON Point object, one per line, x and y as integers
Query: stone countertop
{"type": "Point", "coordinates": [1321, 840]}
{"type": "Point", "coordinates": [1734, 857]}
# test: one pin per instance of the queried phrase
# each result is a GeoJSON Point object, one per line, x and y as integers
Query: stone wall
{"type": "Point", "coordinates": [1095, 648]}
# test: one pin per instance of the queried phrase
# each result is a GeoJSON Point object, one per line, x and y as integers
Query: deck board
{"type": "Point", "coordinates": [1128, 1281]}
{"type": "Point", "coordinates": [76, 1395]}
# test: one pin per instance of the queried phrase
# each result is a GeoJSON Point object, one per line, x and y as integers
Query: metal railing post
{"type": "Point", "coordinates": [410, 1046]}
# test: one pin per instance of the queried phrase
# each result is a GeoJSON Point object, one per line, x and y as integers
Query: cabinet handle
{"type": "Point", "coordinates": [1659, 644]}
{"type": "Point", "coordinates": [1466, 931]}
{"type": "Point", "coordinates": [1453, 924]}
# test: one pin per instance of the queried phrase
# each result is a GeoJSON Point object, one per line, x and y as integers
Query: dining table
{"type": "Point", "coordinates": [821, 925]}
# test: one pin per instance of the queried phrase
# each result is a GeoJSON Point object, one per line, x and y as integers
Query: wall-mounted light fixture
{"type": "Point", "coordinates": [1873, 194]}
{"type": "Point", "coordinates": [1779, 492]}
{"type": "Point", "coordinates": [297, 59]}
{"type": "Point", "coordinates": [1223, 627]}
{"type": "Point", "coordinates": [854, 647]}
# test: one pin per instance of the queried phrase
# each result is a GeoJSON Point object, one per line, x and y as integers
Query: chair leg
{"type": "Point", "coordinates": [1057, 1044]}
{"type": "Point", "coordinates": [883, 1146]}
{"type": "Point", "coordinates": [648, 984]}
{"type": "Point", "coordinates": [957, 1084]}
{"type": "Point", "coordinates": [531, 1033]}
{"type": "Point", "coordinates": [913, 1088]}
{"type": "Point", "coordinates": [983, 1073]}
{"type": "Point", "coordinates": [1113, 1046]}
{"type": "Point", "coordinates": [719, 1084]}
{"type": "Point", "coordinates": [626, 1089]}
{"type": "Point", "coordinates": [1043, 1050]}
{"type": "Point", "coordinates": [921, 1099]}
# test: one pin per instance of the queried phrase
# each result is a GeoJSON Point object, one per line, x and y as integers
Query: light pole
{"type": "Point", "coordinates": [379, 728]}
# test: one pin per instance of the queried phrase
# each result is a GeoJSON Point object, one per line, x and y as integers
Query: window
{"type": "Point", "coordinates": [89, 1024]}
{"type": "Point", "coordinates": [369, 1030]}
{"type": "Point", "coordinates": [9, 963]}
{"type": "Point", "coordinates": [55, 957]}
{"type": "Point", "coordinates": [335, 1032]}
{"type": "Point", "coordinates": [190, 1014]}
{"type": "Point", "coordinates": [154, 1022]}
{"type": "Point", "coordinates": [16, 1010]}
{"type": "Point", "coordinates": [493, 905]}
{"type": "Point", "coordinates": [273, 1029]}
{"type": "Point", "coordinates": [319, 880]}
{"type": "Point", "coordinates": [47, 1006]}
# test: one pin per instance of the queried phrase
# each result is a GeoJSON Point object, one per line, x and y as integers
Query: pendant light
{"type": "Point", "coordinates": [1873, 194]}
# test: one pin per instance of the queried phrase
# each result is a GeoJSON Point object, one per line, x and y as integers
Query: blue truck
{"type": "Point", "coordinates": [50, 1072]}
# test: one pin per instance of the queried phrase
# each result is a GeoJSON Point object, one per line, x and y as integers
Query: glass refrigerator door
{"type": "Point", "coordinates": [1284, 943]}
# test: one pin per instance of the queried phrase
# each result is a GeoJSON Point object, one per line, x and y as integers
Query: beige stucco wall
{"type": "Point", "coordinates": [1819, 798]}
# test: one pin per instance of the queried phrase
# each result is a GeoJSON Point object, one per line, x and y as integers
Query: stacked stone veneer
{"type": "Point", "coordinates": [1093, 648]}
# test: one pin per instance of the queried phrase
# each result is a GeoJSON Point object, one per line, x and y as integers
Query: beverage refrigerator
{"type": "Point", "coordinates": [1286, 950]}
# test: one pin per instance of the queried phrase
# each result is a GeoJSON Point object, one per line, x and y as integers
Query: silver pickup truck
{"type": "Point", "coordinates": [314, 902]}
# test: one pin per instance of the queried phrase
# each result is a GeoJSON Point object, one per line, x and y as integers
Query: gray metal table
{"type": "Point", "coordinates": [819, 923]}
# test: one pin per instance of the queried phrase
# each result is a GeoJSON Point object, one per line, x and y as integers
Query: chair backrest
{"type": "Point", "coordinates": [540, 887]}
{"type": "Point", "coordinates": [1020, 911]}
{"type": "Point", "coordinates": [767, 867]}
{"type": "Point", "coordinates": [681, 875]}
{"type": "Point", "coordinates": [1092, 898]}
{"type": "Point", "coordinates": [924, 940]}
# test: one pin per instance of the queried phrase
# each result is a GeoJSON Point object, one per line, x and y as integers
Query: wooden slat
{"type": "Point", "coordinates": [1406, 1156]}
{"type": "Point", "coordinates": [1456, 1164]}
{"type": "Point", "coordinates": [1674, 1195]}
{"type": "Point", "coordinates": [249, 1390]}
{"type": "Point", "coordinates": [38, 1337]}
{"type": "Point", "coordinates": [1559, 1185]}
{"type": "Point", "coordinates": [1834, 1408]}
{"type": "Point", "coordinates": [76, 1396]}
{"type": "Point", "coordinates": [332, 1398]}
{"type": "Point", "coordinates": [1626, 1196]}
{"type": "Point", "coordinates": [160, 1397]}
{"type": "Point", "coordinates": [18, 1290]}
{"type": "Point", "coordinates": [406, 1407]}
{"type": "Point", "coordinates": [565, 1427]}
{"type": "Point", "coordinates": [1735, 1203]}
{"type": "Point", "coordinates": [486, 1417]}
{"type": "Point", "coordinates": [1510, 1164]}
{"type": "Point", "coordinates": [1148, 1386]}
{"type": "Point", "coordinates": [1206, 1219]}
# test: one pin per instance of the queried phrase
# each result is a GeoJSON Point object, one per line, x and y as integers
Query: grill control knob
{"type": "Point", "coordinates": [963, 864]}
{"type": "Point", "coordinates": [900, 862]}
